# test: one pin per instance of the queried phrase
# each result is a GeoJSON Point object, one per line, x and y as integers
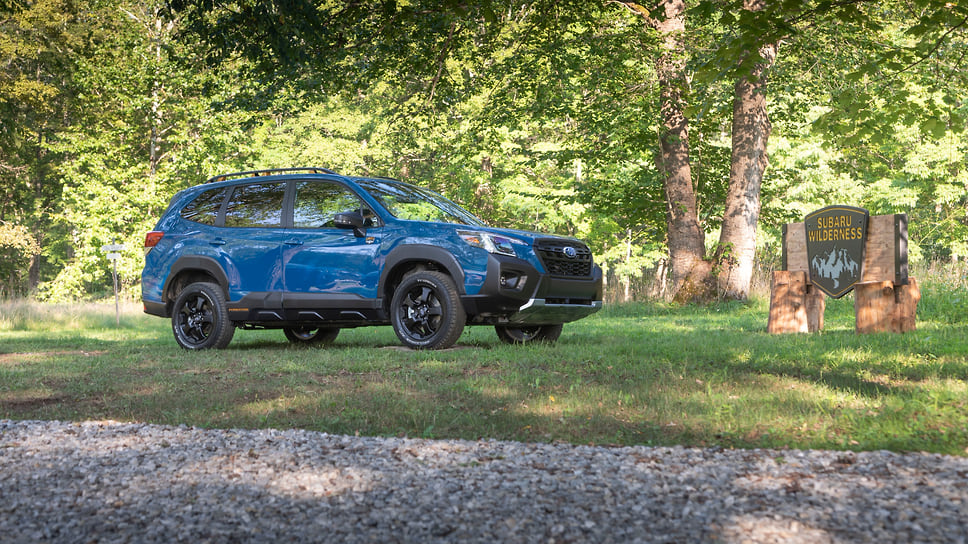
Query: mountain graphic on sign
{"type": "Point", "coordinates": [833, 265]}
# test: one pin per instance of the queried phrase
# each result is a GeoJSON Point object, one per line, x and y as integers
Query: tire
{"type": "Point", "coordinates": [426, 311]}
{"type": "Point", "coordinates": [528, 335]}
{"type": "Point", "coordinates": [306, 335]}
{"type": "Point", "coordinates": [200, 318]}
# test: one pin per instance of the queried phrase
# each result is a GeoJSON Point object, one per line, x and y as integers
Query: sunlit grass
{"type": "Point", "coordinates": [28, 316]}
{"type": "Point", "coordinates": [632, 374]}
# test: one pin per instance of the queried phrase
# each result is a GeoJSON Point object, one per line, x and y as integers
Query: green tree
{"type": "Point", "coordinates": [877, 120]}
{"type": "Point", "coordinates": [143, 128]}
{"type": "Point", "coordinates": [899, 119]}
{"type": "Point", "coordinates": [603, 120]}
{"type": "Point", "coordinates": [17, 248]}
{"type": "Point", "coordinates": [40, 41]}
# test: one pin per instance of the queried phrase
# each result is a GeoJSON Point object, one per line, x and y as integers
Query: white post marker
{"type": "Point", "coordinates": [113, 256]}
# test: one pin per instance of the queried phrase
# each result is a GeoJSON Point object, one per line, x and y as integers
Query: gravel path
{"type": "Point", "coordinates": [119, 482]}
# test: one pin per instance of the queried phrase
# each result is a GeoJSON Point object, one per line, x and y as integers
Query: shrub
{"type": "Point", "coordinates": [17, 248]}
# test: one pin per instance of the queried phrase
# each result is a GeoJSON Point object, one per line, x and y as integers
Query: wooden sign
{"type": "Point", "coordinates": [885, 258]}
{"type": "Point", "coordinates": [111, 249]}
{"type": "Point", "coordinates": [885, 298]}
{"type": "Point", "coordinates": [836, 238]}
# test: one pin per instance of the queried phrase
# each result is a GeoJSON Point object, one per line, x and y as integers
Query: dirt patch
{"type": "Point", "coordinates": [32, 356]}
{"type": "Point", "coordinates": [405, 348]}
{"type": "Point", "coordinates": [31, 400]}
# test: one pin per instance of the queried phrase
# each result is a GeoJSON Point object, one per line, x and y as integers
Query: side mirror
{"type": "Point", "coordinates": [351, 220]}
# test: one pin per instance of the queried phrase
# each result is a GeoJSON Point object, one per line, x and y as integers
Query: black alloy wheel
{"type": "Point", "coordinates": [200, 318]}
{"type": "Point", "coordinates": [426, 311]}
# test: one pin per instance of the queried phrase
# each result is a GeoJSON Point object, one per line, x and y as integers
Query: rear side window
{"type": "Point", "coordinates": [204, 209]}
{"type": "Point", "coordinates": [317, 204]}
{"type": "Point", "coordinates": [255, 205]}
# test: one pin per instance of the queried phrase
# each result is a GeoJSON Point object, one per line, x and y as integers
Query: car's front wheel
{"type": "Point", "coordinates": [200, 318]}
{"type": "Point", "coordinates": [528, 334]}
{"type": "Point", "coordinates": [307, 335]}
{"type": "Point", "coordinates": [426, 311]}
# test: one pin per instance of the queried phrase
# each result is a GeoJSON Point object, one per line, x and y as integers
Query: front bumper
{"type": "Point", "coordinates": [516, 293]}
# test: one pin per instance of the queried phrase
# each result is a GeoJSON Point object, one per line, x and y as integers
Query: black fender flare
{"type": "Point", "coordinates": [419, 253]}
{"type": "Point", "coordinates": [207, 265]}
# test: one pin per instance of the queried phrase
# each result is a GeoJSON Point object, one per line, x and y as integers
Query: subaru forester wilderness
{"type": "Point", "coordinates": [310, 252]}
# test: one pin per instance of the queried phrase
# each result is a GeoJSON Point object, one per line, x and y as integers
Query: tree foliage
{"type": "Point", "coordinates": [541, 115]}
{"type": "Point", "coordinates": [39, 41]}
{"type": "Point", "coordinates": [17, 247]}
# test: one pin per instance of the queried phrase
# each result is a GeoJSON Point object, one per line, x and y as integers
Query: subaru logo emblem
{"type": "Point", "coordinates": [570, 252]}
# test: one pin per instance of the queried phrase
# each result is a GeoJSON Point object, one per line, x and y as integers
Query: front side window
{"type": "Point", "coordinates": [256, 205]}
{"type": "Point", "coordinates": [413, 203]}
{"type": "Point", "coordinates": [204, 209]}
{"type": "Point", "coordinates": [317, 204]}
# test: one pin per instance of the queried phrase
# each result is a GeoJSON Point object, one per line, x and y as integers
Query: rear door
{"type": "Point", "coordinates": [330, 273]}
{"type": "Point", "coordinates": [250, 246]}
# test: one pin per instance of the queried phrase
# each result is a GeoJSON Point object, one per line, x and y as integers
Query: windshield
{"type": "Point", "coordinates": [413, 203]}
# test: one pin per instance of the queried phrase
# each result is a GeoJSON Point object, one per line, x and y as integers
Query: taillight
{"type": "Point", "coordinates": [153, 237]}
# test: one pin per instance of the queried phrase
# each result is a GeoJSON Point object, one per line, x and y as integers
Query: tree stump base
{"type": "Point", "coordinates": [795, 304]}
{"type": "Point", "coordinates": [882, 306]}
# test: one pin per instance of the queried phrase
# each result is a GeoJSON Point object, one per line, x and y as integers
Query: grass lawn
{"type": "Point", "coordinates": [633, 374]}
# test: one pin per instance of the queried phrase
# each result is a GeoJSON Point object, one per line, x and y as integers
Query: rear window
{"type": "Point", "coordinates": [204, 209]}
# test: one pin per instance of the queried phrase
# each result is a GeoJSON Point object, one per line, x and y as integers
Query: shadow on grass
{"type": "Point", "coordinates": [689, 377]}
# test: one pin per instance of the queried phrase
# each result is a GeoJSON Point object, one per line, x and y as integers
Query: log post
{"type": "Point", "coordinates": [905, 312]}
{"type": "Point", "coordinates": [787, 313]}
{"type": "Point", "coordinates": [816, 302]}
{"type": "Point", "coordinates": [882, 306]}
{"type": "Point", "coordinates": [873, 306]}
{"type": "Point", "coordinates": [795, 305]}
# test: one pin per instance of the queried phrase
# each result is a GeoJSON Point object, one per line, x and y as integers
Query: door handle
{"type": "Point", "coordinates": [217, 242]}
{"type": "Point", "coordinates": [294, 242]}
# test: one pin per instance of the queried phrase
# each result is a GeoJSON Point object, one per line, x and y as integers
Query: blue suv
{"type": "Point", "coordinates": [309, 251]}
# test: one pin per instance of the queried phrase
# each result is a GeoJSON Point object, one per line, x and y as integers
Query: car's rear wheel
{"type": "Point", "coordinates": [308, 335]}
{"type": "Point", "coordinates": [426, 311]}
{"type": "Point", "coordinates": [528, 334]}
{"type": "Point", "coordinates": [200, 318]}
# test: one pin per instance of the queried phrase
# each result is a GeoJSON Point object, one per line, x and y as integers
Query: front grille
{"type": "Point", "coordinates": [555, 259]}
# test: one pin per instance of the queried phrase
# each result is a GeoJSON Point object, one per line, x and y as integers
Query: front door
{"type": "Point", "coordinates": [330, 273]}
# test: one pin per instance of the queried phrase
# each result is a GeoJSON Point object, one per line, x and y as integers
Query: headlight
{"type": "Point", "coordinates": [491, 242]}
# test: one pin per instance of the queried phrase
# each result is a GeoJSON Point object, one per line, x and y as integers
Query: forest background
{"type": "Point", "coordinates": [596, 119]}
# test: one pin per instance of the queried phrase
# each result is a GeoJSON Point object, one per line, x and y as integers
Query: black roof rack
{"type": "Point", "coordinates": [269, 172]}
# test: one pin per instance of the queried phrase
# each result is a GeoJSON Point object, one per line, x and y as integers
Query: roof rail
{"type": "Point", "coordinates": [269, 172]}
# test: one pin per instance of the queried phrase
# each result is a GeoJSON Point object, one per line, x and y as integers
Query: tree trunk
{"type": "Point", "coordinates": [627, 281]}
{"type": "Point", "coordinates": [659, 285]}
{"type": "Point", "coordinates": [686, 239]}
{"type": "Point", "coordinates": [751, 132]}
